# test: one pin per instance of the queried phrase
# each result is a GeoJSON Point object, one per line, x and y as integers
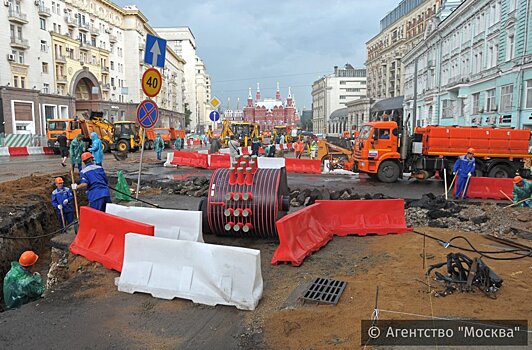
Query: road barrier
{"type": "Point", "coordinates": [270, 163]}
{"type": "Point", "coordinates": [48, 150]}
{"type": "Point", "coordinates": [173, 224]}
{"type": "Point", "coordinates": [204, 273]}
{"type": "Point", "coordinates": [192, 159]}
{"type": "Point", "coordinates": [488, 187]}
{"type": "Point", "coordinates": [25, 151]}
{"type": "Point", "coordinates": [218, 161]}
{"type": "Point", "coordinates": [18, 151]}
{"type": "Point", "coordinates": [307, 230]}
{"type": "Point", "coordinates": [100, 237]}
{"type": "Point", "coordinates": [35, 150]}
{"type": "Point", "coordinates": [4, 151]}
{"type": "Point", "coordinates": [308, 166]}
{"type": "Point", "coordinates": [169, 159]}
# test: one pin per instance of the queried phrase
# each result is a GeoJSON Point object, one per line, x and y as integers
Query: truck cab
{"type": "Point", "coordinates": [56, 127]}
{"type": "Point", "coordinates": [377, 151]}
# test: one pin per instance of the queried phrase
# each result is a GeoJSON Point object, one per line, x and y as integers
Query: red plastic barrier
{"type": "Point", "coordinates": [245, 150]}
{"type": "Point", "coordinates": [196, 142]}
{"type": "Point", "coordinates": [101, 237]}
{"type": "Point", "coordinates": [488, 187]}
{"type": "Point", "coordinates": [48, 150]}
{"type": "Point", "coordinates": [220, 161]}
{"type": "Point", "coordinates": [308, 166]}
{"type": "Point", "coordinates": [18, 151]}
{"type": "Point", "coordinates": [307, 230]}
{"type": "Point", "coordinates": [192, 159]}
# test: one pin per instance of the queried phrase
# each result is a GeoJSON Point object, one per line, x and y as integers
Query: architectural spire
{"type": "Point", "coordinates": [229, 103]}
{"type": "Point", "coordinates": [238, 103]}
{"type": "Point", "coordinates": [249, 94]}
{"type": "Point", "coordinates": [278, 93]}
{"type": "Point", "coordinates": [250, 99]}
{"type": "Point", "coordinates": [289, 100]}
{"type": "Point", "coordinates": [257, 96]}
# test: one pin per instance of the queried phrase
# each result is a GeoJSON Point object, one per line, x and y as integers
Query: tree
{"type": "Point", "coordinates": [188, 112]}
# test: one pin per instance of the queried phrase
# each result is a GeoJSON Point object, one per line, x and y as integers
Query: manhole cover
{"type": "Point", "coordinates": [325, 291]}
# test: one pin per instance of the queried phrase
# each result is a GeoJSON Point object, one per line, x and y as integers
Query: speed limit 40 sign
{"type": "Point", "coordinates": [152, 82]}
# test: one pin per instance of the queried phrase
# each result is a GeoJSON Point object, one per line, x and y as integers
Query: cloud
{"type": "Point", "coordinates": [293, 41]}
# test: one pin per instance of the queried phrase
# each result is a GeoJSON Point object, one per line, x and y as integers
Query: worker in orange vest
{"type": "Point", "coordinates": [299, 147]}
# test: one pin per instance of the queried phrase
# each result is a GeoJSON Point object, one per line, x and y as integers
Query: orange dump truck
{"type": "Point", "coordinates": [169, 135]}
{"type": "Point", "coordinates": [384, 151]}
{"type": "Point", "coordinates": [57, 126]}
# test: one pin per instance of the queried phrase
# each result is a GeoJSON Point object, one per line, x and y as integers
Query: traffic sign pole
{"type": "Point", "coordinates": [140, 163]}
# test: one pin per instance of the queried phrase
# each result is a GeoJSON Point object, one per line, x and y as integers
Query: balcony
{"type": "Point", "coordinates": [44, 11]}
{"type": "Point", "coordinates": [60, 58]}
{"type": "Point", "coordinates": [70, 21]}
{"type": "Point", "coordinates": [106, 87]}
{"type": "Point", "coordinates": [84, 45]}
{"type": "Point", "coordinates": [112, 38]}
{"type": "Point", "coordinates": [17, 17]}
{"type": "Point", "coordinates": [61, 79]}
{"type": "Point", "coordinates": [94, 30]}
{"type": "Point", "coordinates": [105, 70]}
{"type": "Point", "coordinates": [84, 27]}
{"type": "Point", "coordinates": [19, 43]}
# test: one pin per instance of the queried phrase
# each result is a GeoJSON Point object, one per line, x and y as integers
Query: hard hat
{"type": "Point", "coordinates": [517, 179]}
{"type": "Point", "coordinates": [471, 150]}
{"type": "Point", "coordinates": [28, 258]}
{"type": "Point", "coordinates": [59, 180]}
{"type": "Point", "coordinates": [86, 155]}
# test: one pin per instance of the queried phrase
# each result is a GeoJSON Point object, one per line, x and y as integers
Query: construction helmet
{"type": "Point", "coordinates": [86, 155]}
{"type": "Point", "coordinates": [517, 179]}
{"type": "Point", "coordinates": [471, 150]}
{"type": "Point", "coordinates": [28, 258]}
{"type": "Point", "coordinates": [59, 180]}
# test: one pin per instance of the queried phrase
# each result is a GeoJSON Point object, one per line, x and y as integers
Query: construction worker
{"type": "Point", "coordinates": [93, 177]}
{"type": "Point", "coordinates": [159, 146]}
{"type": "Point", "coordinates": [178, 143]}
{"type": "Point", "coordinates": [215, 145]}
{"type": "Point", "coordinates": [313, 149]}
{"type": "Point", "coordinates": [233, 149]}
{"type": "Point", "coordinates": [255, 146]}
{"type": "Point", "coordinates": [21, 286]}
{"type": "Point", "coordinates": [63, 148]}
{"type": "Point", "coordinates": [299, 147]}
{"type": "Point", "coordinates": [96, 149]}
{"type": "Point", "coordinates": [522, 191]}
{"type": "Point", "coordinates": [62, 201]}
{"type": "Point", "coordinates": [76, 149]}
{"type": "Point", "coordinates": [464, 168]}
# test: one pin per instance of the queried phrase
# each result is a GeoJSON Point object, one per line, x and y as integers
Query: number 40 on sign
{"type": "Point", "coordinates": [151, 82]}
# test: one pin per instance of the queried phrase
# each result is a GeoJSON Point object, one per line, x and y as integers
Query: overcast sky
{"type": "Point", "coordinates": [290, 41]}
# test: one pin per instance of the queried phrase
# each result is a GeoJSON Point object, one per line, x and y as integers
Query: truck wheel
{"type": "Point", "coordinates": [500, 171]}
{"type": "Point", "coordinates": [122, 146]}
{"type": "Point", "coordinates": [146, 144]}
{"type": "Point", "coordinates": [388, 171]}
{"type": "Point", "coordinates": [106, 147]}
{"type": "Point", "coordinates": [150, 145]}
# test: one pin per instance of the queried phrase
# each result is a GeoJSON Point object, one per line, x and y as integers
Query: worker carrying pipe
{"type": "Point", "coordinates": [93, 177]}
{"type": "Point", "coordinates": [522, 191]}
{"type": "Point", "coordinates": [21, 286]}
{"type": "Point", "coordinates": [62, 201]}
{"type": "Point", "coordinates": [464, 168]}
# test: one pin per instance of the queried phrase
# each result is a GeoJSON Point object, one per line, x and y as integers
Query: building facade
{"type": "Point", "coordinates": [203, 96]}
{"type": "Point", "coordinates": [475, 67]}
{"type": "Point", "coordinates": [67, 58]}
{"type": "Point", "coordinates": [401, 30]}
{"type": "Point", "coordinates": [358, 113]}
{"type": "Point", "coordinates": [269, 112]}
{"type": "Point", "coordinates": [333, 91]}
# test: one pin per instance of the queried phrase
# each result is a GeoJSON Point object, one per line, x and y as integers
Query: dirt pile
{"type": "Point", "coordinates": [300, 197]}
{"type": "Point", "coordinates": [193, 186]}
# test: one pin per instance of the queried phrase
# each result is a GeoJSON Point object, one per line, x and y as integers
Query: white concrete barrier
{"type": "Point", "coordinates": [173, 224]}
{"type": "Point", "coordinates": [204, 273]}
{"type": "Point", "coordinates": [169, 158]}
{"type": "Point", "coordinates": [224, 150]}
{"type": "Point", "coordinates": [4, 151]}
{"type": "Point", "coordinates": [35, 150]}
{"type": "Point", "coordinates": [270, 163]}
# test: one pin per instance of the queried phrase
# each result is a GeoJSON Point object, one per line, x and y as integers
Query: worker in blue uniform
{"type": "Point", "coordinates": [93, 178]}
{"type": "Point", "coordinates": [464, 168]}
{"type": "Point", "coordinates": [62, 201]}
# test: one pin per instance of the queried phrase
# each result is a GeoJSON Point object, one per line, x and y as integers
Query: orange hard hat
{"type": "Point", "coordinates": [86, 155]}
{"type": "Point", "coordinates": [59, 180]}
{"type": "Point", "coordinates": [28, 258]}
{"type": "Point", "coordinates": [471, 150]}
{"type": "Point", "coordinates": [517, 179]}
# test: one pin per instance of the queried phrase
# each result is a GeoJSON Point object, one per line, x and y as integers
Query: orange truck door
{"type": "Point", "coordinates": [382, 140]}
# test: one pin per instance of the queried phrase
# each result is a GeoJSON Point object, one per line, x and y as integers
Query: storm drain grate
{"type": "Point", "coordinates": [325, 291]}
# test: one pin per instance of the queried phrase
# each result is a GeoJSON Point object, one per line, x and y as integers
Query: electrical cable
{"type": "Point", "coordinates": [139, 200]}
{"type": "Point", "coordinates": [41, 236]}
{"type": "Point", "coordinates": [525, 253]}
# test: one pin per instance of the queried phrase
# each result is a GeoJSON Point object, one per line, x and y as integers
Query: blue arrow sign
{"type": "Point", "coordinates": [214, 116]}
{"type": "Point", "coordinates": [155, 51]}
{"type": "Point", "coordinates": [147, 114]}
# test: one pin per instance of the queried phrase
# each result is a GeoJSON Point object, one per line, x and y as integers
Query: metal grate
{"type": "Point", "coordinates": [325, 291]}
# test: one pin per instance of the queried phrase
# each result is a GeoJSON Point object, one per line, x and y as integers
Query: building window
{"type": "Point", "coordinates": [529, 93]}
{"type": "Point", "coordinates": [15, 81]}
{"type": "Point", "coordinates": [510, 46]}
{"type": "Point", "coordinates": [44, 47]}
{"type": "Point", "coordinates": [45, 68]}
{"type": "Point", "coordinates": [490, 101]}
{"type": "Point", "coordinates": [22, 82]}
{"type": "Point", "coordinates": [506, 97]}
{"type": "Point", "coordinates": [112, 65]}
{"type": "Point", "coordinates": [476, 103]}
{"type": "Point", "coordinates": [42, 23]}
{"type": "Point", "coordinates": [46, 88]}
{"type": "Point", "coordinates": [20, 57]}
{"type": "Point", "coordinates": [513, 5]}
{"type": "Point", "coordinates": [447, 109]}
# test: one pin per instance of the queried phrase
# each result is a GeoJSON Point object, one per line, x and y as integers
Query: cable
{"type": "Point", "coordinates": [139, 200]}
{"type": "Point", "coordinates": [41, 236]}
{"type": "Point", "coordinates": [481, 253]}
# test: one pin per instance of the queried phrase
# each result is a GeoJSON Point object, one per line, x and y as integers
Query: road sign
{"type": "Point", "coordinates": [155, 51]}
{"type": "Point", "coordinates": [147, 114]}
{"type": "Point", "coordinates": [215, 102]}
{"type": "Point", "coordinates": [214, 116]}
{"type": "Point", "coordinates": [152, 82]}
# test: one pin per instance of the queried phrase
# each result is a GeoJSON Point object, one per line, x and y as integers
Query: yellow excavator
{"type": "Point", "coordinates": [339, 157]}
{"type": "Point", "coordinates": [123, 136]}
{"type": "Point", "coordinates": [244, 132]}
